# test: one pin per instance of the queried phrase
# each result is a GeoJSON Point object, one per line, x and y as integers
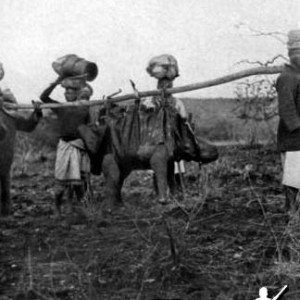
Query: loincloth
{"type": "Point", "coordinates": [72, 162]}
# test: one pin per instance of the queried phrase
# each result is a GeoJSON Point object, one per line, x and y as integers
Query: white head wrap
{"type": "Point", "coordinates": [163, 66]}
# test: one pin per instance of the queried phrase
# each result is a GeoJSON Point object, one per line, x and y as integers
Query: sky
{"type": "Point", "coordinates": [207, 37]}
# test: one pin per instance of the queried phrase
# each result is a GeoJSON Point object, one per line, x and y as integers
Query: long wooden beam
{"type": "Point", "coordinates": [175, 90]}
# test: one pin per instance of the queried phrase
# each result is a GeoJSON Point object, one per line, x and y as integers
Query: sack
{"type": "Point", "coordinates": [72, 65]}
{"type": "Point", "coordinates": [93, 136]}
{"type": "Point", "coordinates": [187, 147]}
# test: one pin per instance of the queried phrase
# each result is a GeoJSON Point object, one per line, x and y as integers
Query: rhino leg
{"type": "Point", "coordinates": [5, 195]}
{"type": "Point", "coordinates": [59, 193]}
{"type": "Point", "coordinates": [159, 164]}
{"type": "Point", "coordinates": [114, 180]}
{"type": "Point", "coordinates": [171, 180]}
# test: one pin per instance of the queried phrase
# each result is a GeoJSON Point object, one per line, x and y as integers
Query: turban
{"type": "Point", "coordinates": [293, 43]}
{"type": "Point", "coordinates": [293, 39]}
{"type": "Point", "coordinates": [74, 82]}
{"type": "Point", "coordinates": [163, 66]}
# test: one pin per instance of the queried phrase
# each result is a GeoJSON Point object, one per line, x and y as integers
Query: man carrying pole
{"type": "Point", "coordinates": [72, 166]}
{"type": "Point", "coordinates": [165, 68]}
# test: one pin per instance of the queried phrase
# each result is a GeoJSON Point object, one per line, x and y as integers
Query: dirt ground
{"type": "Point", "coordinates": [225, 237]}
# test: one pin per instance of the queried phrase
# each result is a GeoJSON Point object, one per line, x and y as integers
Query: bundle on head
{"type": "Point", "coordinates": [8, 96]}
{"type": "Point", "coordinates": [163, 66]}
{"type": "Point", "coordinates": [72, 65]}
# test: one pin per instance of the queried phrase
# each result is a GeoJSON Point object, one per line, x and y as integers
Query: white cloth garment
{"type": "Point", "coordinates": [71, 161]}
{"type": "Point", "coordinates": [179, 167]}
{"type": "Point", "coordinates": [291, 168]}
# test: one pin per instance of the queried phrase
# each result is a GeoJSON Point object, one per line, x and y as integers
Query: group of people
{"type": "Point", "coordinates": [165, 69]}
{"type": "Point", "coordinates": [72, 166]}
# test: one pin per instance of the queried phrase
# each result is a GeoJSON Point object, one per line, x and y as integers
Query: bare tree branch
{"type": "Point", "coordinates": [277, 35]}
{"type": "Point", "coordinates": [267, 63]}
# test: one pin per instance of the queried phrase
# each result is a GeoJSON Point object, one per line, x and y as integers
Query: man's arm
{"type": "Point", "coordinates": [28, 124]}
{"type": "Point", "coordinates": [45, 96]}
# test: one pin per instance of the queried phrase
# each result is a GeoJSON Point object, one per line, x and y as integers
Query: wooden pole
{"type": "Point", "coordinates": [174, 90]}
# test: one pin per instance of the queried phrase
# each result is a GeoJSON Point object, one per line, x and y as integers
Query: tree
{"type": "Point", "coordinates": [256, 101]}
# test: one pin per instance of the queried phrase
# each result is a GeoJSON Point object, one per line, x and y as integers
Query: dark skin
{"type": "Point", "coordinates": [70, 93]}
{"type": "Point", "coordinates": [12, 122]}
{"type": "Point", "coordinates": [67, 130]}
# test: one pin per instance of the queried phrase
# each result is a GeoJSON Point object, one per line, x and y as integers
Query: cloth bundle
{"type": "Point", "coordinates": [71, 162]}
{"type": "Point", "coordinates": [163, 66]}
{"type": "Point", "coordinates": [8, 96]}
{"type": "Point", "coordinates": [293, 43]}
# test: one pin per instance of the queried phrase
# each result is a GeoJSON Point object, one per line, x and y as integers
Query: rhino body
{"type": "Point", "coordinates": [128, 139]}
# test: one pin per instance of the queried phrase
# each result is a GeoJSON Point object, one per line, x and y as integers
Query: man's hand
{"type": "Point", "coordinates": [37, 108]}
{"type": "Point", "coordinates": [59, 79]}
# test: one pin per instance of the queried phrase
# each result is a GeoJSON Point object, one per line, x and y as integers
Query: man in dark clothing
{"type": "Point", "coordinates": [72, 162]}
{"type": "Point", "coordinates": [288, 135]}
{"type": "Point", "coordinates": [12, 121]}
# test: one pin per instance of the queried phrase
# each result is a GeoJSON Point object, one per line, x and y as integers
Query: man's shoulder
{"type": "Point", "coordinates": [288, 77]}
{"type": "Point", "coordinates": [290, 72]}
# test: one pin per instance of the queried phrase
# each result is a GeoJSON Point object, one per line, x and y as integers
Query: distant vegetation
{"type": "Point", "coordinates": [220, 119]}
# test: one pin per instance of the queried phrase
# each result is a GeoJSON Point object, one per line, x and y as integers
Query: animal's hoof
{"type": "Point", "coordinates": [57, 213]}
{"type": "Point", "coordinates": [163, 201]}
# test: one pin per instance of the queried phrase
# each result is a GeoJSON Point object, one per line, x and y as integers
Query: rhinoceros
{"type": "Point", "coordinates": [127, 138]}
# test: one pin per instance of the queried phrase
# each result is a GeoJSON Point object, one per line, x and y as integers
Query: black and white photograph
{"type": "Point", "coordinates": [149, 149]}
